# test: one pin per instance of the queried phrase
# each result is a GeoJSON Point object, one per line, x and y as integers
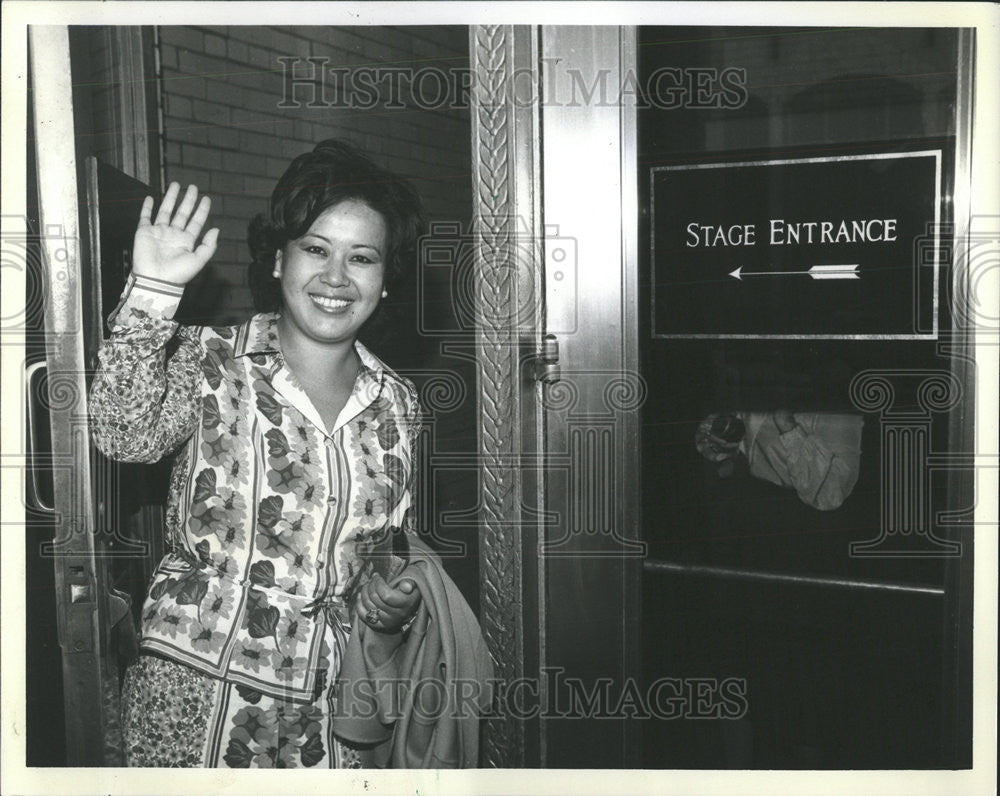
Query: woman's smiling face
{"type": "Point", "coordinates": [331, 277]}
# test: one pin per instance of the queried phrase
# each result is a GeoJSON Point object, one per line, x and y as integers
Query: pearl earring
{"type": "Point", "coordinates": [385, 293]}
{"type": "Point", "coordinates": [276, 273]}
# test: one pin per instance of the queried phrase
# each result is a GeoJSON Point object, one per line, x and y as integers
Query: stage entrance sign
{"type": "Point", "coordinates": [819, 247]}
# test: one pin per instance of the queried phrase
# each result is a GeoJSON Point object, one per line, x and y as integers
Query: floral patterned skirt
{"type": "Point", "coordinates": [173, 715]}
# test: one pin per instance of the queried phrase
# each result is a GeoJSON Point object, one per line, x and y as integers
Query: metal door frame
{"type": "Point", "coordinates": [75, 555]}
{"type": "Point", "coordinates": [957, 681]}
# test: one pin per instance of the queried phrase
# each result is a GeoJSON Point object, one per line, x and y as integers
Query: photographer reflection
{"type": "Point", "coordinates": [814, 453]}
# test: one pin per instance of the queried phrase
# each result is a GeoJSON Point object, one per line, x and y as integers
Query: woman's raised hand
{"type": "Point", "coordinates": [167, 247]}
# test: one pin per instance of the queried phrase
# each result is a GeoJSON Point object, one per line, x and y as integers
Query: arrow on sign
{"type": "Point", "coordinates": [816, 272]}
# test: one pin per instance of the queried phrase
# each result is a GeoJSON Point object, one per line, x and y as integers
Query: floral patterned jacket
{"type": "Point", "coordinates": [271, 520]}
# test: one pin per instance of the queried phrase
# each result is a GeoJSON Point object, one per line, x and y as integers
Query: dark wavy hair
{"type": "Point", "coordinates": [333, 172]}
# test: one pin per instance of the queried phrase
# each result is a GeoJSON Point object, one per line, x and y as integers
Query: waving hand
{"type": "Point", "coordinates": [167, 247]}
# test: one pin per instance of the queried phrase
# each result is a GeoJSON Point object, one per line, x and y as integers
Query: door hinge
{"type": "Point", "coordinates": [547, 361]}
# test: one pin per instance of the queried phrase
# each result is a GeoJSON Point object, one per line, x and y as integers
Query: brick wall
{"type": "Point", "coordinates": [223, 128]}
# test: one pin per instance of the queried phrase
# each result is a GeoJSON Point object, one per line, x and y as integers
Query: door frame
{"type": "Point", "coordinates": [79, 573]}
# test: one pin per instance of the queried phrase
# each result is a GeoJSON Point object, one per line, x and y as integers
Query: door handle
{"type": "Point", "coordinates": [31, 372]}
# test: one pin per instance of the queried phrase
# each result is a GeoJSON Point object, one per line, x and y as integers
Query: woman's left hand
{"type": "Point", "coordinates": [387, 608]}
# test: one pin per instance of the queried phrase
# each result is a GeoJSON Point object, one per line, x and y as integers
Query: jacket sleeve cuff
{"type": "Point", "coordinates": [145, 296]}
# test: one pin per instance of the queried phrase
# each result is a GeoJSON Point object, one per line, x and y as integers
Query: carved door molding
{"type": "Point", "coordinates": [508, 277]}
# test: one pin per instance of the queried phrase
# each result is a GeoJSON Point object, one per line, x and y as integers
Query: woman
{"type": "Point", "coordinates": [293, 471]}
